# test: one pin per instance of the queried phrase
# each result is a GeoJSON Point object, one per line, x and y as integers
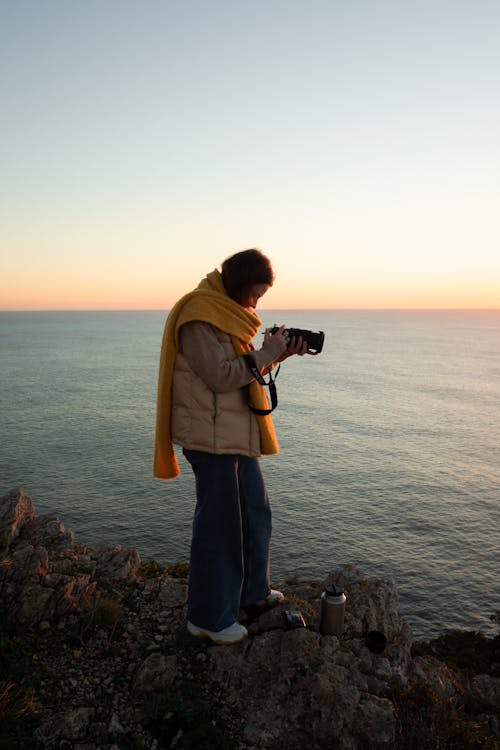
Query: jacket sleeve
{"type": "Point", "coordinates": [206, 357]}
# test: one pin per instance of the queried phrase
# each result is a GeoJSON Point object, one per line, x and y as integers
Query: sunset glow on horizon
{"type": "Point", "coordinates": [101, 298]}
{"type": "Point", "coordinates": [357, 146]}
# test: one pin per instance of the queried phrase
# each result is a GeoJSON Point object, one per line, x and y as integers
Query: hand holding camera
{"type": "Point", "coordinates": [300, 340]}
{"type": "Point", "coordinates": [275, 342]}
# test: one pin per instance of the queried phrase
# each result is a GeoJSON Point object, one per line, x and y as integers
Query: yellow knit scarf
{"type": "Point", "coordinates": [209, 303]}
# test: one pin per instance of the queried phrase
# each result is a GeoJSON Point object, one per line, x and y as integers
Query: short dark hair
{"type": "Point", "coordinates": [245, 269]}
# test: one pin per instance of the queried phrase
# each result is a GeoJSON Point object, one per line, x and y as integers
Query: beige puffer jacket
{"type": "Point", "coordinates": [209, 409]}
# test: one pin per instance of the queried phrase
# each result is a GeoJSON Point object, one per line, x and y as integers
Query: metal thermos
{"type": "Point", "coordinates": [332, 610]}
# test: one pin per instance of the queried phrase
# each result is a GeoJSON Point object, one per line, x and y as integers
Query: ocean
{"type": "Point", "coordinates": [390, 447]}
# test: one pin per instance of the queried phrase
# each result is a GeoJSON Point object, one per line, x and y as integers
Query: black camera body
{"type": "Point", "coordinates": [294, 619]}
{"type": "Point", "coordinates": [314, 339]}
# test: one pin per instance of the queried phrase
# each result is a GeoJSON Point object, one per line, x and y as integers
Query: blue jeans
{"type": "Point", "coordinates": [229, 564]}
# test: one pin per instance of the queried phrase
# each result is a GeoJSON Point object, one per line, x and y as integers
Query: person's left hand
{"type": "Point", "coordinates": [296, 346]}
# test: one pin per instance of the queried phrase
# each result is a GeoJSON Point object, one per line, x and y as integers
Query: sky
{"type": "Point", "coordinates": [356, 144]}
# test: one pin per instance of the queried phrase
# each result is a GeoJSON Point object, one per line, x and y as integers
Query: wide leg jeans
{"type": "Point", "coordinates": [229, 565]}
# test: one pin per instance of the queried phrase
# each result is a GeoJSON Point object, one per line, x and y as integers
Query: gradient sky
{"type": "Point", "coordinates": [356, 143]}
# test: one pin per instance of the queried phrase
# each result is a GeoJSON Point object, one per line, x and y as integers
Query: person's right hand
{"type": "Point", "coordinates": [275, 344]}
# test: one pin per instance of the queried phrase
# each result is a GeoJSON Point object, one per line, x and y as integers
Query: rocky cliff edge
{"type": "Point", "coordinates": [96, 641]}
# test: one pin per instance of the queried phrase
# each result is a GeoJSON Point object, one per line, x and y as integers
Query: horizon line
{"type": "Point", "coordinates": [264, 309]}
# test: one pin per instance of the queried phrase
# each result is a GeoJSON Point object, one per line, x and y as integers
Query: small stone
{"type": "Point", "coordinates": [156, 672]}
{"type": "Point", "coordinates": [115, 727]}
{"type": "Point", "coordinates": [376, 686]}
{"type": "Point", "coordinates": [177, 739]}
{"type": "Point", "coordinates": [74, 722]}
{"type": "Point", "coordinates": [382, 668]}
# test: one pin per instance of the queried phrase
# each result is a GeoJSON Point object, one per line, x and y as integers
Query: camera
{"type": "Point", "coordinates": [294, 619]}
{"type": "Point", "coordinates": [314, 339]}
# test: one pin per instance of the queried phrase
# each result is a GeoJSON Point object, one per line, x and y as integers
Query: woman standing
{"type": "Point", "coordinates": [205, 386]}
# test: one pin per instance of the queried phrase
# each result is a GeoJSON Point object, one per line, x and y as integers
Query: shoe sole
{"type": "Point", "coordinates": [199, 633]}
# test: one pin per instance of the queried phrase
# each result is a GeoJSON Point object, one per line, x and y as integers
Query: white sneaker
{"type": "Point", "coordinates": [232, 634]}
{"type": "Point", "coordinates": [274, 597]}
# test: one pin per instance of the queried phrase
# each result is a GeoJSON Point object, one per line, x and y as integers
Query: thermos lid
{"type": "Point", "coordinates": [376, 641]}
{"type": "Point", "coordinates": [334, 590]}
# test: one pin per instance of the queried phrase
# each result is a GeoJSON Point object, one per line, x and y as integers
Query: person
{"type": "Point", "coordinates": [205, 387]}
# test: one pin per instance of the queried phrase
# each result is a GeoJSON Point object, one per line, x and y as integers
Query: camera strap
{"type": "Point", "coordinates": [259, 378]}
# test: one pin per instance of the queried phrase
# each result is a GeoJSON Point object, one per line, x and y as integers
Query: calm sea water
{"type": "Point", "coordinates": [390, 447]}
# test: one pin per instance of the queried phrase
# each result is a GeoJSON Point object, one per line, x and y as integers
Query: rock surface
{"type": "Point", "coordinates": [112, 665]}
